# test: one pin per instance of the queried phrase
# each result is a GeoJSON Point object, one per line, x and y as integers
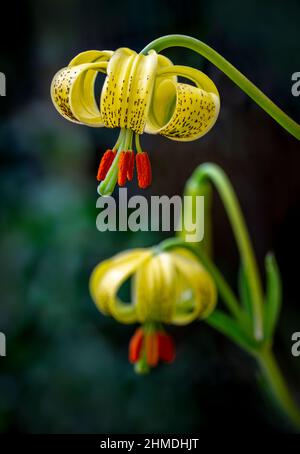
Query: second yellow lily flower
{"type": "Point", "coordinates": [167, 288]}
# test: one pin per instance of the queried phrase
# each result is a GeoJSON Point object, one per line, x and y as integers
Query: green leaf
{"type": "Point", "coordinates": [273, 296]}
{"type": "Point", "coordinates": [231, 329]}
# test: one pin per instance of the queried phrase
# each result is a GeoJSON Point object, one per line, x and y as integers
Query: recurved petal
{"type": "Point", "coordinates": [159, 106]}
{"type": "Point", "coordinates": [197, 291]}
{"type": "Point", "coordinates": [155, 289]}
{"type": "Point", "coordinates": [107, 278]}
{"type": "Point", "coordinates": [181, 111]}
{"type": "Point", "coordinates": [127, 89]}
{"type": "Point", "coordinates": [91, 56]}
{"type": "Point", "coordinates": [187, 112]}
{"type": "Point", "coordinates": [60, 89]}
{"type": "Point", "coordinates": [72, 92]}
{"type": "Point", "coordinates": [72, 88]}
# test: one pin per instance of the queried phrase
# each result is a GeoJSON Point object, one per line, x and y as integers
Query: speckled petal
{"type": "Point", "coordinates": [72, 88]}
{"type": "Point", "coordinates": [181, 111]}
{"type": "Point", "coordinates": [108, 277]}
{"type": "Point", "coordinates": [127, 89]}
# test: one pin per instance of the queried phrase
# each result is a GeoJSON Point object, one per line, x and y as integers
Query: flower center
{"type": "Point", "coordinates": [117, 165]}
{"type": "Point", "coordinates": [149, 345]}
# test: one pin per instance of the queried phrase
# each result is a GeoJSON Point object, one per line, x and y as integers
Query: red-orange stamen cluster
{"type": "Point", "coordinates": [105, 163]}
{"type": "Point", "coordinates": [144, 171]}
{"type": "Point", "coordinates": [155, 345]}
{"type": "Point", "coordinates": [126, 167]}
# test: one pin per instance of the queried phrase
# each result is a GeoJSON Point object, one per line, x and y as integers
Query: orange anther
{"type": "Point", "coordinates": [144, 171]}
{"type": "Point", "coordinates": [105, 164]}
{"type": "Point", "coordinates": [135, 345]}
{"type": "Point", "coordinates": [166, 347]}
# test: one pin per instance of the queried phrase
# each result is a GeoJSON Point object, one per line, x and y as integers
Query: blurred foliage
{"type": "Point", "coordinates": [66, 368]}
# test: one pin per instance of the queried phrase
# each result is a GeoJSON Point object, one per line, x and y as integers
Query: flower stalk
{"type": "Point", "coordinates": [251, 326]}
{"type": "Point", "coordinates": [234, 74]}
{"type": "Point", "coordinates": [211, 172]}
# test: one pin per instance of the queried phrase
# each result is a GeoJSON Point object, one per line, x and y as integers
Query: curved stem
{"type": "Point", "coordinates": [194, 191]}
{"type": "Point", "coordinates": [260, 351]}
{"type": "Point", "coordinates": [217, 176]}
{"type": "Point", "coordinates": [275, 379]}
{"type": "Point", "coordinates": [234, 74]}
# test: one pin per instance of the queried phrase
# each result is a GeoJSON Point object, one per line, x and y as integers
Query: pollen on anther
{"type": "Point", "coordinates": [105, 164]}
{"type": "Point", "coordinates": [144, 171]}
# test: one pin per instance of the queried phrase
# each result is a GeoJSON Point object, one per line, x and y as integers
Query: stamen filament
{"type": "Point", "coordinates": [107, 186]}
{"type": "Point", "coordinates": [137, 143]}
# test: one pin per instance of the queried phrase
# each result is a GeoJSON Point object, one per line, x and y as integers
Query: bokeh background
{"type": "Point", "coordinates": [66, 368]}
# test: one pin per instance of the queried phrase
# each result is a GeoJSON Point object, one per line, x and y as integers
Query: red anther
{"type": "Point", "coordinates": [124, 162]}
{"type": "Point", "coordinates": [166, 347]}
{"type": "Point", "coordinates": [135, 345]}
{"type": "Point", "coordinates": [105, 164]}
{"type": "Point", "coordinates": [151, 345]}
{"type": "Point", "coordinates": [130, 168]}
{"type": "Point", "coordinates": [144, 172]}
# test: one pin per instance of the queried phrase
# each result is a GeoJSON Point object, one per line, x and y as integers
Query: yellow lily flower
{"type": "Point", "coordinates": [167, 288]}
{"type": "Point", "coordinates": [140, 93]}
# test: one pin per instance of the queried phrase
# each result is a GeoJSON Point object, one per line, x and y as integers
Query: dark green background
{"type": "Point", "coordinates": [66, 368]}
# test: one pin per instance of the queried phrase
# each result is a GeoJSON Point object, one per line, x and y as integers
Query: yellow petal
{"type": "Point", "coordinates": [127, 89]}
{"type": "Point", "coordinates": [107, 279]}
{"type": "Point", "coordinates": [60, 88]}
{"type": "Point", "coordinates": [91, 56]}
{"type": "Point", "coordinates": [159, 111]}
{"type": "Point", "coordinates": [180, 111]}
{"type": "Point", "coordinates": [87, 82]}
{"type": "Point", "coordinates": [72, 88]}
{"type": "Point", "coordinates": [155, 289]}
{"type": "Point", "coordinates": [196, 280]}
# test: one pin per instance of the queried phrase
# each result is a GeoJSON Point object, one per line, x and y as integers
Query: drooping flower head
{"type": "Point", "coordinates": [167, 288]}
{"type": "Point", "coordinates": [141, 93]}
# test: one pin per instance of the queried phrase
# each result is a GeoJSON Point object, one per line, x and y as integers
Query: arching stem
{"type": "Point", "coordinates": [234, 74]}
{"type": "Point", "coordinates": [261, 351]}
{"type": "Point", "coordinates": [212, 173]}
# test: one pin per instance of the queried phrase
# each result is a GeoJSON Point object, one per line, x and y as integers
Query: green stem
{"type": "Point", "coordinates": [194, 191]}
{"type": "Point", "coordinates": [217, 176]}
{"type": "Point", "coordinates": [234, 74]}
{"type": "Point", "coordinates": [261, 352]}
{"type": "Point", "coordinates": [278, 386]}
